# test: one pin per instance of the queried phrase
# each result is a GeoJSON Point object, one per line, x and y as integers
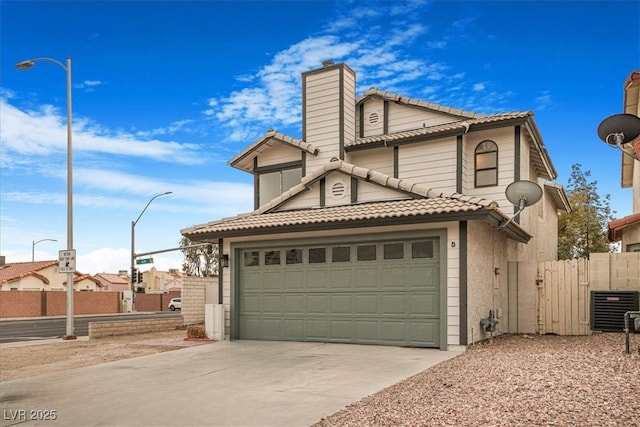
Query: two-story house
{"type": "Point", "coordinates": [627, 229]}
{"type": "Point", "coordinates": [386, 222]}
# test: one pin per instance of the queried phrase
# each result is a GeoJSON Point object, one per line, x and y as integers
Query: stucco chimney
{"type": "Point", "coordinates": [328, 111]}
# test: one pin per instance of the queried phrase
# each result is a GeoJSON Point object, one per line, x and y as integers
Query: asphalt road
{"type": "Point", "coordinates": [55, 327]}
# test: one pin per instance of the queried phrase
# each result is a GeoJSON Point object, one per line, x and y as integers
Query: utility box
{"type": "Point", "coordinates": [608, 309]}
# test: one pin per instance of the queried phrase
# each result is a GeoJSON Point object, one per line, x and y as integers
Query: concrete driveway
{"type": "Point", "coordinates": [240, 383]}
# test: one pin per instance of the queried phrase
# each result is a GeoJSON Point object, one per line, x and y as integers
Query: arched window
{"type": "Point", "coordinates": [486, 164]}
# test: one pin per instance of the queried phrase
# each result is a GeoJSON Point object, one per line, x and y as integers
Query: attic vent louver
{"type": "Point", "coordinates": [373, 118]}
{"type": "Point", "coordinates": [338, 189]}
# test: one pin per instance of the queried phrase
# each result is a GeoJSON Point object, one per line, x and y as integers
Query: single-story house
{"type": "Point", "coordinates": [386, 223]}
{"type": "Point", "coordinates": [42, 276]}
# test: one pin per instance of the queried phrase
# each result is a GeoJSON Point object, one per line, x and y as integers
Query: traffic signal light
{"type": "Point", "coordinates": [139, 276]}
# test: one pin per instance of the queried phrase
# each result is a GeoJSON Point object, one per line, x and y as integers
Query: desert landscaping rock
{"type": "Point", "coordinates": [518, 380]}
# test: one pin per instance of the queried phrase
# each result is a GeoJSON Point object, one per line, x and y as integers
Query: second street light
{"type": "Point", "coordinates": [33, 247]}
{"type": "Point", "coordinates": [133, 243]}
{"type": "Point", "coordinates": [70, 268]}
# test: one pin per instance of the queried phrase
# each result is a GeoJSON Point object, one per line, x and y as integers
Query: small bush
{"type": "Point", "coordinates": [196, 331]}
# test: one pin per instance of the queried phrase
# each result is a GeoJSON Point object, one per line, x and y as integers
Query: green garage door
{"type": "Point", "coordinates": [366, 293]}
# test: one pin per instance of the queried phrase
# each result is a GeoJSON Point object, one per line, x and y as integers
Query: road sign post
{"type": "Point", "coordinates": [144, 261]}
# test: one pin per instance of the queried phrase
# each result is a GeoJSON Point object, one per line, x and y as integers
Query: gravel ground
{"type": "Point", "coordinates": [518, 380]}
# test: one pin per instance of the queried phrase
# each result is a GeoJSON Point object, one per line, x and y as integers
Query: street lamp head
{"type": "Point", "coordinates": [25, 65]}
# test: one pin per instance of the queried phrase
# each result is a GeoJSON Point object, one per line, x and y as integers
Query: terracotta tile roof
{"type": "Point", "coordinates": [454, 127]}
{"type": "Point", "coordinates": [376, 93]}
{"type": "Point", "coordinates": [112, 278]}
{"type": "Point", "coordinates": [240, 160]}
{"type": "Point", "coordinates": [18, 270]}
{"type": "Point", "coordinates": [348, 215]}
{"type": "Point", "coordinates": [618, 225]}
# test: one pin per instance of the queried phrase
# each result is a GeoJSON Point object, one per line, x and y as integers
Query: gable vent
{"type": "Point", "coordinates": [338, 189]}
{"type": "Point", "coordinates": [373, 118]}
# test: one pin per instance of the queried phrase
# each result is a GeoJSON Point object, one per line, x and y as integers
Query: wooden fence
{"type": "Point", "coordinates": [564, 289]}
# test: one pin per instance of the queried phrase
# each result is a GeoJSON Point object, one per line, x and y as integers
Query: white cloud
{"type": "Point", "coordinates": [544, 101]}
{"type": "Point", "coordinates": [44, 132]}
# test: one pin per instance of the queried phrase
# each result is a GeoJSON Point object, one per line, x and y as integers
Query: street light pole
{"type": "Point", "coordinates": [133, 243]}
{"type": "Point", "coordinates": [25, 65]}
{"type": "Point", "coordinates": [33, 247]}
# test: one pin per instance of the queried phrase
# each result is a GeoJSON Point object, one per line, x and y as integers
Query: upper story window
{"type": "Point", "coordinates": [272, 184]}
{"type": "Point", "coordinates": [486, 164]}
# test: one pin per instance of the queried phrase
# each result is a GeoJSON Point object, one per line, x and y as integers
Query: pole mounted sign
{"type": "Point", "coordinates": [144, 261]}
{"type": "Point", "coordinates": [67, 261]}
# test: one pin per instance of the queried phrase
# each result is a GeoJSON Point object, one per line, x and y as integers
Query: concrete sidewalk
{"type": "Point", "coordinates": [240, 383]}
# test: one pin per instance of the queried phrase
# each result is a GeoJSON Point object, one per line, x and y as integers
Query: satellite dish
{"type": "Point", "coordinates": [619, 129]}
{"type": "Point", "coordinates": [522, 194]}
{"type": "Point", "coordinates": [525, 192]}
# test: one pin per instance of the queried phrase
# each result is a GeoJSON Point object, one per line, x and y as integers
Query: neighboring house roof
{"type": "Point", "coordinates": [243, 160]}
{"type": "Point", "coordinates": [426, 205]}
{"type": "Point", "coordinates": [114, 279]}
{"type": "Point", "coordinates": [18, 270]}
{"type": "Point", "coordinates": [630, 106]}
{"type": "Point", "coordinates": [616, 226]}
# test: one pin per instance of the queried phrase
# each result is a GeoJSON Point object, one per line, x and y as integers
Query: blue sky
{"type": "Point", "coordinates": [164, 93]}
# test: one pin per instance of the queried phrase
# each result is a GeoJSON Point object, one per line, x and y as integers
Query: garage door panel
{"type": "Point", "coordinates": [252, 304]}
{"type": "Point", "coordinates": [272, 304]}
{"type": "Point", "coordinates": [426, 304]}
{"type": "Point", "coordinates": [340, 304]}
{"type": "Point", "coordinates": [423, 277]}
{"type": "Point", "coordinates": [251, 327]}
{"type": "Point", "coordinates": [393, 331]}
{"type": "Point", "coordinates": [424, 334]}
{"type": "Point", "coordinates": [317, 279]}
{"type": "Point", "coordinates": [272, 328]}
{"type": "Point", "coordinates": [318, 304]}
{"type": "Point", "coordinates": [341, 330]}
{"type": "Point", "coordinates": [366, 279]}
{"type": "Point", "coordinates": [367, 331]}
{"type": "Point", "coordinates": [393, 277]}
{"type": "Point", "coordinates": [294, 280]}
{"type": "Point", "coordinates": [367, 304]}
{"type": "Point", "coordinates": [294, 329]}
{"type": "Point", "coordinates": [341, 278]}
{"type": "Point", "coordinates": [317, 329]}
{"type": "Point", "coordinates": [272, 280]}
{"type": "Point", "coordinates": [252, 280]}
{"type": "Point", "coordinates": [293, 304]}
{"type": "Point", "coordinates": [394, 304]}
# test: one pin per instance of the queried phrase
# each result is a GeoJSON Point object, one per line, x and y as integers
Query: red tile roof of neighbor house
{"type": "Point", "coordinates": [619, 224]}
{"type": "Point", "coordinates": [18, 270]}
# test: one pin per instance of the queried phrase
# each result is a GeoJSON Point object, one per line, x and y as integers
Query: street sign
{"type": "Point", "coordinates": [144, 261]}
{"type": "Point", "coordinates": [67, 261]}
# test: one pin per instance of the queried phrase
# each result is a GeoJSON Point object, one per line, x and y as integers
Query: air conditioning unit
{"type": "Point", "coordinates": [608, 309]}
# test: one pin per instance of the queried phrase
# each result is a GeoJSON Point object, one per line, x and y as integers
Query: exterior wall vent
{"type": "Point", "coordinates": [373, 118]}
{"type": "Point", "coordinates": [608, 309]}
{"type": "Point", "coordinates": [338, 190]}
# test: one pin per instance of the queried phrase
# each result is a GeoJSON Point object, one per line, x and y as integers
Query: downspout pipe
{"type": "Point", "coordinates": [627, 321]}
